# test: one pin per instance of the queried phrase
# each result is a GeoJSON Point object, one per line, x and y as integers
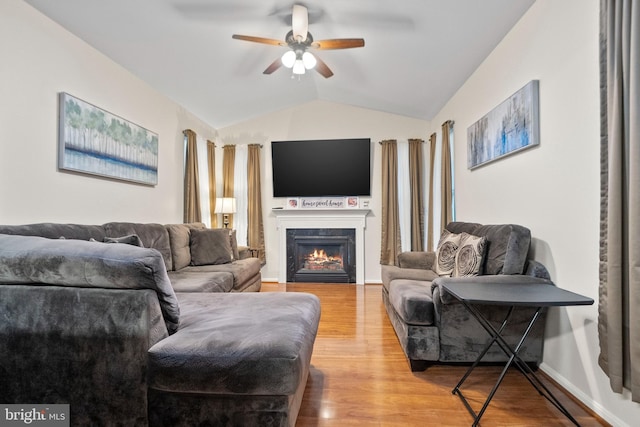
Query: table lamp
{"type": "Point", "coordinates": [225, 206]}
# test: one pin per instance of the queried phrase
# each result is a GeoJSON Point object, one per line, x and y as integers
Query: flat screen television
{"type": "Point", "coordinates": [317, 168]}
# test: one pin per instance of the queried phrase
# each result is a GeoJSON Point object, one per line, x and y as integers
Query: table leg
{"type": "Point", "coordinates": [496, 337]}
{"type": "Point", "coordinates": [484, 351]}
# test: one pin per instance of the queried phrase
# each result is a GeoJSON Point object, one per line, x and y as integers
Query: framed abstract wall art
{"type": "Point", "coordinates": [96, 142]}
{"type": "Point", "coordinates": [510, 127]}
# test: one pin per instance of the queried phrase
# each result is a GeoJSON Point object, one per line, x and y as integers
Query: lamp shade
{"type": "Point", "coordinates": [298, 67]}
{"type": "Point", "coordinates": [309, 60]}
{"type": "Point", "coordinates": [288, 58]}
{"type": "Point", "coordinates": [225, 205]}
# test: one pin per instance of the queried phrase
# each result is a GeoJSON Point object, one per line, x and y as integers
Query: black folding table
{"type": "Point", "coordinates": [531, 294]}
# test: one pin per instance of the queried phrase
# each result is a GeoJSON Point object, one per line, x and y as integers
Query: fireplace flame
{"type": "Point", "coordinates": [320, 254]}
{"type": "Point", "coordinates": [319, 260]}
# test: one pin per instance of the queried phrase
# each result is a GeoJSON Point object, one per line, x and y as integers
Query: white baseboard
{"type": "Point", "coordinates": [603, 412]}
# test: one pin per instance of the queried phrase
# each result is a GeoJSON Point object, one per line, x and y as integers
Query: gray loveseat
{"type": "Point", "coordinates": [433, 327]}
{"type": "Point", "coordinates": [99, 326]}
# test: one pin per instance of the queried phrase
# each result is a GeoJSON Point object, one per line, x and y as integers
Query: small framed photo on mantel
{"type": "Point", "coordinates": [353, 202]}
{"type": "Point", "coordinates": [292, 203]}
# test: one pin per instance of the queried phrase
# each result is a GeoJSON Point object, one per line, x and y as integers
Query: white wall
{"type": "Point", "coordinates": [39, 59]}
{"type": "Point", "coordinates": [552, 189]}
{"type": "Point", "coordinates": [319, 120]}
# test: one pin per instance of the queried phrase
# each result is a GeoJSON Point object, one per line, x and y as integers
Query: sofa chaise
{"type": "Point", "coordinates": [431, 325]}
{"type": "Point", "coordinates": [100, 327]}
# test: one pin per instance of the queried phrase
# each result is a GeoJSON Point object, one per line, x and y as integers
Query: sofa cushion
{"type": "Point", "coordinates": [68, 262]}
{"type": "Point", "coordinates": [243, 270]}
{"type": "Point", "coordinates": [412, 301]}
{"type": "Point", "coordinates": [131, 239]}
{"type": "Point", "coordinates": [237, 343]}
{"type": "Point", "coordinates": [197, 281]}
{"type": "Point", "coordinates": [56, 231]}
{"type": "Point", "coordinates": [152, 235]}
{"type": "Point", "coordinates": [470, 256]}
{"type": "Point", "coordinates": [179, 240]}
{"type": "Point", "coordinates": [233, 240]}
{"type": "Point", "coordinates": [507, 245]}
{"type": "Point", "coordinates": [507, 248]}
{"type": "Point", "coordinates": [210, 246]}
{"type": "Point", "coordinates": [446, 253]}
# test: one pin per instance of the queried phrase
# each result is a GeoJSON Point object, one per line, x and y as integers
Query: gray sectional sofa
{"type": "Point", "coordinates": [217, 264]}
{"type": "Point", "coordinates": [101, 327]}
{"type": "Point", "coordinates": [432, 326]}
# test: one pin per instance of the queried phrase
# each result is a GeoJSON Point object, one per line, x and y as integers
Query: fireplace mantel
{"type": "Point", "coordinates": [321, 218]}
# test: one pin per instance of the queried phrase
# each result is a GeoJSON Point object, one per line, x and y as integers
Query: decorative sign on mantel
{"type": "Point", "coordinates": [351, 202]}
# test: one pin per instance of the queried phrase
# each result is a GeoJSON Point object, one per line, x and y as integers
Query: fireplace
{"type": "Point", "coordinates": [321, 255]}
{"type": "Point", "coordinates": [287, 219]}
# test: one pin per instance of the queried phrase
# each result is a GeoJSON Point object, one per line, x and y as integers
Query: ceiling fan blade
{"type": "Point", "coordinates": [274, 66]}
{"type": "Point", "coordinates": [263, 40]}
{"type": "Point", "coordinates": [300, 22]}
{"type": "Point", "coordinates": [322, 68]}
{"type": "Point", "coordinates": [338, 43]}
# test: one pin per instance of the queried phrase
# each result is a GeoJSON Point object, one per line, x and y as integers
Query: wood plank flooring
{"type": "Point", "coordinates": [360, 377]}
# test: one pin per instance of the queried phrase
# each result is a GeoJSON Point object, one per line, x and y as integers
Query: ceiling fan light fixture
{"type": "Point", "coordinates": [288, 59]}
{"type": "Point", "coordinates": [298, 67]}
{"type": "Point", "coordinates": [309, 60]}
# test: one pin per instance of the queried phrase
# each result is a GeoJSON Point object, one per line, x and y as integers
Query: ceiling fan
{"type": "Point", "coordinates": [299, 40]}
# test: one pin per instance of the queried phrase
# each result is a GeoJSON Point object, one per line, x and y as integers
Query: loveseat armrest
{"type": "Point", "coordinates": [417, 259]}
{"type": "Point", "coordinates": [441, 296]}
{"type": "Point", "coordinates": [537, 269]}
{"type": "Point", "coordinates": [244, 252]}
{"type": "Point", "coordinates": [392, 272]}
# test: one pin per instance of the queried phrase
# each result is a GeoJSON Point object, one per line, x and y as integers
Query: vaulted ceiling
{"type": "Point", "coordinates": [417, 53]}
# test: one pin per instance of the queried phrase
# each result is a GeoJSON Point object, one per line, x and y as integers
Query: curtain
{"type": "Point", "coordinates": [240, 193]}
{"type": "Point", "coordinates": [403, 182]}
{"type": "Point", "coordinates": [191, 186]}
{"type": "Point", "coordinates": [432, 157]}
{"type": "Point", "coordinates": [228, 166]}
{"type": "Point", "coordinates": [446, 182]}
{"type": "Point", "coordinates": [417, 201]}
{"type": "Point", "coordinates": [390, 245]}
{"type": "Point", "coordinates": [619, 289]}
{"type": "Point", "coordinates": [203, 180]}
{"type": "Point", "coordinates": [211, 161]}
{"type": "Point", "coordinates": [255, 238]}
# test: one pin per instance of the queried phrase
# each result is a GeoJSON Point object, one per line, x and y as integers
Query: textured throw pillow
{"type": "Point", "coordinates": [446, 253]}
{"type": "Point", "coordinates": [470, 256]}
{"type": "Point", "coordinates": [210, 246]}
{"type": "Point", "coordinates": [132, 239]}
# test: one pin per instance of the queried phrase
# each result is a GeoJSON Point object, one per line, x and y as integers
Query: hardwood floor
{"type": "Point", "coordinates": [360, 377]}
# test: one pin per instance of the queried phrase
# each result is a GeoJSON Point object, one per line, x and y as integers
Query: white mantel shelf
{"type": "Point", "coordinates": [321, 218]}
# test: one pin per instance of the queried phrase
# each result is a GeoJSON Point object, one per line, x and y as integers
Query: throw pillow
{"type": "Point", "coordinates": [210, 246]}
{"type": "Point", "coordinates": [234, 244]}
{"type": "Point", "coordinates": [132, 239]}
{"type": "Point", "coordinates": [470, 256]}
{"type": "Point", "coordinates": [179, 241]}
{"type": "Point", "coordinates": [446, 253]}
